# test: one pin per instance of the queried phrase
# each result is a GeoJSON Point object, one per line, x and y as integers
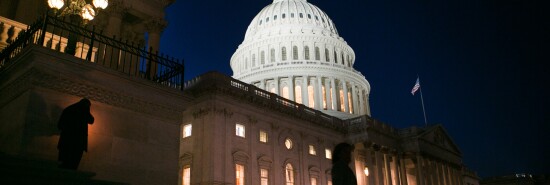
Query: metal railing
{"type": "Point", "coordinates": [92, 46]}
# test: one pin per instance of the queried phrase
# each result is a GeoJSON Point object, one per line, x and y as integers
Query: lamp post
{"type": "Point", "coordinates": [79, 12]}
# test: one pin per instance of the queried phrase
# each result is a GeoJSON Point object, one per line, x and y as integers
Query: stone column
{"type": "Point", "coordinates": [262, 84]}
{"type": "Point", "coordinates": [318, 94]}
{"type": "Point", "coordinates": [327, 94]}
{"type": "Point", "coordinates": [379, 168]}
{"type": "Point", "coordinates": [367, 104]}
{"type": "Point", "coordinates": [395, 168]}
{"type": "Point", "coordinates": [334, 89]}
{"type": "Point", "coordinates": [291, 88]}
{"type": "Point", "coordinates": [154, 27]}
{"type": "Point", "coordinates": [419, 172]}
{"type": "Point", "coordinates": [403, 169]}
{"type": "Point", "coordinates": [354, 99]}
{"type": "Point", "coordinates": [346, 99]}
{"type": "Point", "coordinates": [387, 166]}
{"type": "Point", "coordinates": [277, 86]}
{"type": "Point", "coordinates": [305, 94]}
{"type": "Point", "coordinates": [361, 102]}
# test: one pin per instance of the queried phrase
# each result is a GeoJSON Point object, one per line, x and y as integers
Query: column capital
{"type": "Point", "coordinates": [155, 25]}
{"type": "Point", "coordinates": [116, 8]}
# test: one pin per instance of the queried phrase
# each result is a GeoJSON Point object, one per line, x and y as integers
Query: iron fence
{"type": "Point", "coordinates": [92, 46]}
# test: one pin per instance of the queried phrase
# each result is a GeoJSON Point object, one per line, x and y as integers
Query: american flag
{"type": "Point", "coordinates": [416, 86]}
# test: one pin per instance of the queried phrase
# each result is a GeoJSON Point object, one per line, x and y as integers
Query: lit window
{"type": "Point", "coordinates": [306, 53]}
{"type": "Point", "coordinates": [329, 182]}
{"type": "Point", "coordinates": [239, 174]}
{"type": "Point", "coordinates": [324, 97]}
{"type": "Point", "coordinates": [313, 181]}
{"type": "Point", "coordinates": [187, 130]}
{"type": "Point", "coordinates": [312, 150]}
{"type": "Point", "coordinates": [289, 173]}
{"type": "Point", "coordinates": [186, 175]}
{"type": "Point", "coordinates": [239, 130]}
{"type": "Point", "coordinates": [263, 136]}
{"type": "Point", "coordinates": [288, 143]}
{"type": "Point", "coordinates": [310, 92]}
{"type": "Point", "coordinates": [298, 91]}
{"type": "Point", "coordinates": [342, 106]}
{"type": "Point", "coordinates": [328, 153]}
{"type": "Point", "coordinates": [285, 92]}
{"type": "Point", "coordinates": [264, 176]}
{"type": "Point", "coordinates": [350, 104]}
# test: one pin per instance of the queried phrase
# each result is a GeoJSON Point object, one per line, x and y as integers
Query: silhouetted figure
{"type": "Point", "coordinates": [73, 140]}
{"type": "Point", "coordinates": [341, 173]}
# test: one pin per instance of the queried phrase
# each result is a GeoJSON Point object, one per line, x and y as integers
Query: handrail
{"type": "Point", "coordinates": [86, 43]}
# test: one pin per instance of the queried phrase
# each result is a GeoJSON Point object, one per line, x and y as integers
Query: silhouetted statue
{"type": "Point", "coordinates": [341, 173]}
{"type": "Point", "coordinates": [73, 140]}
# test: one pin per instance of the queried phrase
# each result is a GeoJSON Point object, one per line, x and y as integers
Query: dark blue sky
{"type": "Point", "coordinates": [481, 64]}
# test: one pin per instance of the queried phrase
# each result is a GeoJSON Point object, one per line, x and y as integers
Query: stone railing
{"type": "Point", "coordinates": [217, 82]}
{"type": "Point", "coordinates": [9, 30]}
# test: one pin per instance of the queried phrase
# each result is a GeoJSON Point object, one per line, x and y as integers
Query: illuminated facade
{"type": "Point", "coordinates": [292, 48]}
{"type": "Point", "coordinates": [294, 97]}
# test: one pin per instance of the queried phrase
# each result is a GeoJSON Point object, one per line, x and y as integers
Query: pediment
{"type": "Point", "coordinates": [438, 136]}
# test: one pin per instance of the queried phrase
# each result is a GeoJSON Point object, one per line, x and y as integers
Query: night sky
{"type": "Point", "coordinates": [481, 65]}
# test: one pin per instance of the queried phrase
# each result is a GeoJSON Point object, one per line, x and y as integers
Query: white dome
{"type": "Point", "coordinates": [292, 48]}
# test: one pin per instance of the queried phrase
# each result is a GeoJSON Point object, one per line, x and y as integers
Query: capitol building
{"type": "Point", "coordinates": [294, 95]}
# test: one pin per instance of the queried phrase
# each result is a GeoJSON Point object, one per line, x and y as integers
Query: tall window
{"type": "Point", "coordinates": [327, 55]}
{"type": "Point", "coordinates": [186, 176]}
{"type": "Point", "coordinates": [263, 136]}
{"type": "Point", "coordinates": [264, 176]}
{"type": "Point", "coordinates": [239, 130]}
{"type": "Point", "coordinates": [283, 53]}
{"type": "Point", "coordinates": [328, 153]}
{"type": "Point", "coordinates": [317, 54]}
{"type": "Point", "coordinates": [285, 92]}
{"type": "Point", "coordinates": [313, 181]}
{"type": "Point", "coordinates": [239, 174]}
{"type": "Point", "coordinates": [295, 52]}
{"type": "Point", "coordinates": [272, 55]}
{"type": "Point", "coordinates": [335, 57]}
{"type": "Point", "coordinates": [187, 130]}
{"type": "Point", "coordinates": [342, 106]}
{"type": "Point", "coordinates": [312, 150]}
{"type": "Point", "coordinates": [298, 91]}
{"type": "Point", "coordinates": [324, 92]}
{"type": "Point", "coordinates": [311, 97]}
{"type": "Point", "coordinates": [342, 59]}
{"type": "Point", "coordinates": [262, 57]}
{"type": "Point", "coordinates": [253, 60]}
{"type": "Point", "coordinates": [350, 104]}
{"type": "Point", "coordinates": [289, 173]}
{"type": "Point", "coordinates": [306, 52]}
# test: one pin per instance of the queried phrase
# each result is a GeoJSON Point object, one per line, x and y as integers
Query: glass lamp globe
{"type": "Point", "coordinates": [101, 3]}
{"type": "Point", "coordinates": [87, 12]}
{"type": "Point", "coordinates": [366, 171]}
{"type": "Point", "coordinates": [57, 4]}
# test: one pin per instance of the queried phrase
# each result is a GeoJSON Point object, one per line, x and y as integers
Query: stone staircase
{"type": "Point", "coordinates": [16, 170]}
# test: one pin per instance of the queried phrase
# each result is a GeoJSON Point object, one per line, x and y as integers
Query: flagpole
{"type": "Point", "coordinates": [423, 109]}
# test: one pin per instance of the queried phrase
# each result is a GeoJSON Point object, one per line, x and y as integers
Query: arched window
{"type": "Point", "coordinates": [311, 96]}
{"type": "Point", "coordinates": [283, 53]}
{"type": "Point", "coordinates": [284, 16]}
{"type": "Point", "coordinates": [272, 55]}
{"type": "Point", "coordinates": [335, 57]}
{"type": "Point", "coordinates": [306, 52]}
{"type": "Point", "coordinates": [342, 59]}
{"type": "Point", "coordinates": [253, 64]}
{"type": "Point", "coordinates": [298, 91]}
{"type": "Point", "coordinates": [275, 17]}
{"type": "Point", "coordinates": [327, 55]}
{"type": "Point", "coordinates": [285, 92]}
{"type": "Point", "coordinates": [317, 54]}
{"type": "Point", "coordinates": [262, 57]}
{"type": "Point", "coordinates": [289, 174]}
{"type": "Point", "coordinates": [349, 61]}
{"type": "Point", "coordinates": [186, 176]}
{"type": "Point", "coordinates": [295, 52]}
{"type": "Point", "coordinates": [301, 15]}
